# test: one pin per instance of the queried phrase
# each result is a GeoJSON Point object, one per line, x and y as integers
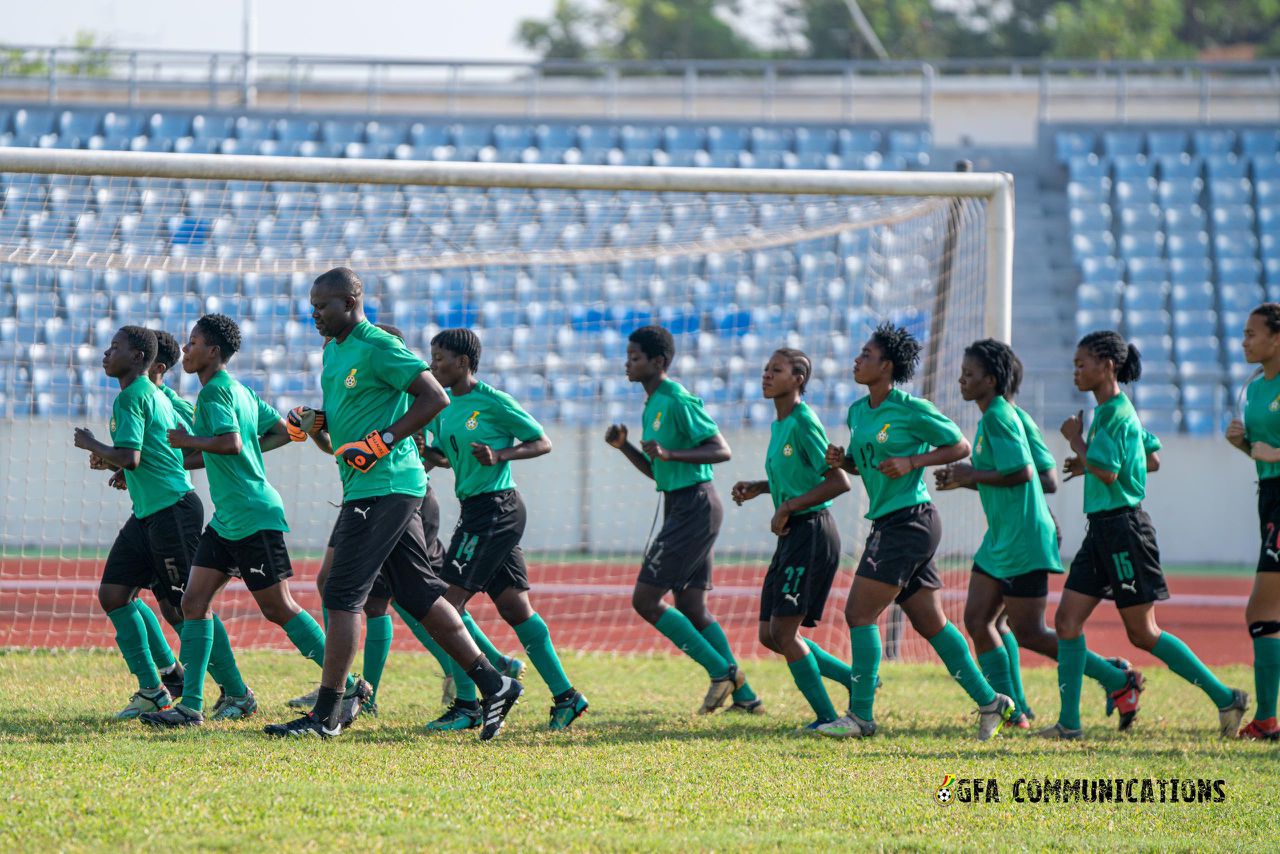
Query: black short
{"type": "Point", "coordinates": [680, 555]}
{"type": "Point", "coordinates": [1119, 559]}
{"type": "Point", "coordinates": [804, 565]}
{"type": "Point", "coordinates": [1028, 585]}
{"type": "Point", "coordinates": [900, 550]}
{"type": "Point", "coordinates": [382, 535]}
{"type": "Point", "coordinates": [1269, 524]}
{"type": "Point", "coordinates": [260, 559]}
{"type": "Point", "coordinates": [485, 554]}
{"type": "Point", "coordinates": [156, 551]}
{"type": "Point", "coordinates": [430, 531]}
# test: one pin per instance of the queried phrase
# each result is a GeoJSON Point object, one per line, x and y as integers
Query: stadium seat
{"type": "Point", "coordinates": [1068, 144]}
{"type": "Point", "coordinates": [1259, 144]}
{"type": "Point", "coordinates": [1209, 142]}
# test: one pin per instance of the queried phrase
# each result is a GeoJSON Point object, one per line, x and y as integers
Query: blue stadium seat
{"type": "Point", "coordinates": [1184, 218]}
{"type": "Point", "coordinates": [1122, 143]}
{"type": "Point", "coordinates": [1187, 245]}
{"type": "Point", "coordinates": [726, 139]}
{"type": "Point", "coordinates": [252, 129]}
{"type": "Point", "coordinates": [1222, 167]}
{"type": "Point", "coordinates": [1193, 297]}
{"type": "Point", "coordinates": [1091, 217]}
{"type": "Point", "coordinates": [1068, 144]}
{"type": "Point", "coordinates": [80, 123]}
{"type": "Point", "coordinates": [212, 127]}
{"type": "Point", "coordinates": [1244, 270]}
{"type": "Point", "coordinates": [1163, 396]}
{"type": "Point", "coordinates": [169, 126]}
{"type": "Point", "coordinates": [638, 138]}
{"type": "Point", "coordinates": [1146, 269]}
{"type": "Point", "coordinates": [1209, 142]}
{"type": "Point", "coordinates": [294, 130]}
{"type": "Point", "coordinates": [1235, 244]}
{"type": "Point", "coordinates": [814, 140]}
{"type": "Point", "coordinates": [343, 132]}
{"type": "Point", "coordinates": [1142, 244]}
{"type": "Point", "coordinates": [1231, 191]}
{"type": "Point", "coordinates": [1096, 297]}
{"type": "Point", "coordinates": [1260, 143]}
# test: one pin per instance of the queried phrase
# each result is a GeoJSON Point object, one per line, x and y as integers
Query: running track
{"type": "Point", "coordinates": [50, 602]}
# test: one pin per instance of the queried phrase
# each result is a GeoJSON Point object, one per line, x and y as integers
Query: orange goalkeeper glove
{"type": "Point", "coordinates": [363, 454]}
{"type": "Point", "coordinates": [303, 421]}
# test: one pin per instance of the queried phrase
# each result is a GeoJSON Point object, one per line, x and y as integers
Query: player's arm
{"type": "Point", "coordinates": [277, 436]}
{"type": "Point", "coordinates": [616, 436]}
{"type": "Point", "coordinates": [708, 452]}
{"type": "Point", "coordinates": [838, 459]}
{"type": "Point", "coordinates": [120, 458]}
{"type": "Point", "coordinates": [1153, 461]}
{"type": "Point", "coordinates": [964, 475]}
{"type": "Point", "coordinates": [835, 482]}
{"type": "Point", "coordinates": [434, 458]}
{"type": "Point", "coordinates": [895, 467]}
{"type": "Point", "coordinates": [1049, 481]}
{"type": "Point", "coordinates": [429, 399]}
{"type": "Point", "coordinates": [192, 460]}
{"type": "Point", "coordinates": [521, 451]}
{"type": "Point", "coordinates": [224, 444]}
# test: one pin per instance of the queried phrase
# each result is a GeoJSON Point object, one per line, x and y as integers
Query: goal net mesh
{"type": "Point", "coordinates": [553, 281]}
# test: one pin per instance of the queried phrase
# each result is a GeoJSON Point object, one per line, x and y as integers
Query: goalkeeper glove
{"type": "Point", "coordinates": [303, 421]}
{"type": "Point", "coordinates": [363, 454]}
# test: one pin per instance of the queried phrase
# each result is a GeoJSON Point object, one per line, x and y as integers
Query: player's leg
{"type": "Point", "coordinates": [1012, 651]}
{"type": "Point", "coordinates": [803, 665]}
{"type": "Point", "coordinates": [512, 602]}
{"type": "Point", "coordinates": [1262, 615]}
{"type": "Point", "coordinates": [306, 701]}
{"type": "Point", "coordinates": [983, 604]}
{"type": "Point", "coordinates": [202, 588]}
{"type": "Point", "coordinates": [379, 631]}
{"type": "Point", "coordinates": [868, 598]}
{"type": "Point", "coordinates": [161, 652]}
{"type": "Point", "coordinates": [1073, 612]}
{"type": "Point", "coordinates": [127, 569]}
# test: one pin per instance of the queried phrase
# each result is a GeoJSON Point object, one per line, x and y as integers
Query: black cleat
{"type": "Point", "coordinates": [173, 680]}
{"type": "Point", "coordinates": [494, 709]}
{"type": "Point", "coordinates": [307, 725]}
{"type": "Point", "coordinates": [174, 716]}
{"type": "Point", "coordinates": [354, 700]}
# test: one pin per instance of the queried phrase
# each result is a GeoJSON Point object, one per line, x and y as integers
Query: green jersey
{"type": "Point", "coordinates": [1150, 442]}
{"type": "Point", "coordinates": [1021, 535]}
{"type": "Point", "coordinates": [141, 418]}
{"type": "Point", "coordinates": [1040, 456]}
{"type": "Point", "coordinates": [487, 416]}
{"type": "Point", "coordinates": [1262, 419]}
{"type": "Point", "coordinates": [364, 382]}
{"type": "Point", "coordinates": [796, 460]}
{"type": "Point", "coordinates": [901, 426]}
{"type": "Point", "coordinates": [243, 501]}
{"type": "Point", "coordinates": [1115, 445]}
{"type": "Point", "coordinates": [675, 419]}
{"type": "Point", "coordinates": [182, 407]}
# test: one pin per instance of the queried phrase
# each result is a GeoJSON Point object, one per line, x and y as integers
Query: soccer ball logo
{"type": "Point", "coordinates": [350, 381]}
{"type": "Point", "coordinates": [1275, 405]}
{"type": "Point", "coordinates": [944, 794]}
{"type": "Point", "coordinates": [657, 421]}
{"type": "Point", "coordinates": [473, 421]}
{"type": "Point", "coordinates": [786, 450]}
{"type": "Point", "coordinates": [883, 435]}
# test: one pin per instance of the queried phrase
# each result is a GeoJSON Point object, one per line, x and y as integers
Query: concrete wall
{"type": "Point", "coordinates": [586, 496]}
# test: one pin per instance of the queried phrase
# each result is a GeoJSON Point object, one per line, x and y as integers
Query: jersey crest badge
{"type": "Point", "coordinates": [657, 421]}
{"type": "Point", "coordinates": [1274, 406]}
{"type": "Point", "coordinates": [350, 381]}
{"type": "Point", "coordinates": [113, 424]}
{"type": "Point", "coordinates": [474, 420]}
{"type": "Point", "coordinates": [883, 435]}
{"type": "Point", "coordinates": [786, 450]}
{"type": "Point", "coordinates": [978, 448]}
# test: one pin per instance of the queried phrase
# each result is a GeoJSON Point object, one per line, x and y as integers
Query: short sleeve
{"type": "Point", "coordinates": [931, 426]}
{"type": "Point", "coordinates": [398, 367]}
{"type": "Point", "coordinates": [1150, 442]}
{"type": "Point", "coordinates": [811, 441]}
{"type": "Point", "coordinates": [694, 422]}
{"type": "Point", "coordinates": [217, 414]}
{"type": "Point", "coordinates": [1008, 444]}
{"type": "Point", "coordinates": [515, 420]}
{"type": "Point", "coordinates": [268, 417]}
{"type": "Point", "coordinates": [130, 415]}
{"type": "Point", "coordinates": [1104, 450]}
{"type": "Point", "coordinates": [432, 434]}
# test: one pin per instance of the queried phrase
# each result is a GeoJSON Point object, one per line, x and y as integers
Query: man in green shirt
{"type": "Point", "coordinates": [479, 434]}
{"type": "Point", "coordinates": [377, 394]}
{"type": "Point", "coordinates": [679, 444]}
{"type": "Point", "coordinates": [232, 429]}
{"type": "Point", "coordinates": [155, 547]}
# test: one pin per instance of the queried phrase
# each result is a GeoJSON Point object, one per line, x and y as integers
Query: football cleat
{"type": "Point", "coordinates": [1230, 716]}
{"type": "Point", "coordinates": [173, 680]}
{"type": "Point", "coordinates": [993, 716]}
{"type": "Point", "coordinates": [305, 701]}
{"type": "Point", "coordinates": [567, 711]}
{"type": "Point", "coordinates": [234, 708]}
{"type": "Point", "coordinates": [1261, 730]}
{"type": "Point", "coordinates": [176, 715]}
{"type": "Point", "coordinates": [1125, 700]}
{"type": "Point", "coordinates": [144, 701]}
{"type": "Point", "coordinates": [848, 725]}
{"type": "Point", "coordinates": [1061, 733]}
{"type": "Point", "coordinates": [456, 718]}
{"type": "Point", "coordinates": [748, 707]}
{"type": "Point", "coordinates": [721, 689]}
{"type": "Point", "coordinates": [494, 709]}
{"type": "Point", "coordinates": [307, 725]}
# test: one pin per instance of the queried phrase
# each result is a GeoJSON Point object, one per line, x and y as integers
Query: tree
{"type": "Point", "coordinates": [1118, 29]}
{"type": "Point", "coordinates": [564, 36]}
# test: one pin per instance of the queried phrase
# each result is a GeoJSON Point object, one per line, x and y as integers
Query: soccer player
{"type": "Point", "coordinates": [379, 630]}
{"type": "Point", "coordinates": [478, 435]}
{"type": "Point", "coordinates": [679, 444]}
{"type": "Point", "coordinates": [167, 355]}
{"type": "Point", "coordinates": [156, 544]}
{"type": "Point", "coordinates": [1020, 548]}
{"type": "Point", "coordinates": [1119, 558]}
{"type": "Point", "coordinates": [377, 394]}
{"type": "Point", "coordinates": [233, 428]}
{"type": "Point", "coordinates": [1257, 433]}
{"type": "Point", "coordinates": [893, 438]}
{"type": "Point", "coordinates": [807, 556]}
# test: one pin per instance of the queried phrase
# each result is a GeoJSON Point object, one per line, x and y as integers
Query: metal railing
{"type": "Point", "coordinates": [686, 89]}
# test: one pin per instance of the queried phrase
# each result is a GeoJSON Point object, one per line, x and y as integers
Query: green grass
{"type": "Point", "coordinates": [639, 772]}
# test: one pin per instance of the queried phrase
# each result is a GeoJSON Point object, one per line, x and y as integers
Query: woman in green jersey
{"type": "Point", "coordinates": [1257, 433]}
{"type": "Point", "coordinates": [1119, 558]}
{"type": "Point", "coordinates": [1020, 548]}
{"type": "Point", "coordinates": [804, 563]}
{"type": "Point", "coordinates": [893, 438]}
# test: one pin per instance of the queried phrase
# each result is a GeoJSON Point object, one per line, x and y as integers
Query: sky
{"type": "Point", "coordinates": [419, 29]}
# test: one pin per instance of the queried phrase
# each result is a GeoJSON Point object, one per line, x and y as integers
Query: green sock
{"type": "Point", "coordinates": [464, 688]}
{"type": "Point", "coordinates": [131, 638]}
{"type": "Point", "coordinates": [1015, 670]}
{"type": "Point", "coordinates": [378, 632]}
{"type": "Point", "coordinates": [1071, 659]}
{"type": "Point", "coordinates": [1105, 673]}
{"type": "Point", "coordinates": [715, 636]}
{"type": "Point", "coordinates": [1266, 675]}
{"type": "Point", "coordinates": [308, 638]}
{"type": "Point", "coordinates": [424, 637]}
{"type": "Point", "coordinates": [954, 652]}
{"type": "Point", "coordinates": [809, 681]}
{"type": "Point", "coordinates": [222, 662]}
{"type": "Point", "coordinates": [161, 653]}
{"type": "Point", "coordinates": [1182, 661]}
{"type": "Point", "coordinates": [829, 666]}
{"type": "Point", "coordinates": [197, 646]}
{"type": "Point", "coordinates": [865, 649]}
{"type": "Point", "coordinates": [995, 669]}
{"type": "Point", "coordinates": [677, 629]}
{"type": "Point", "coordinates": [536, 638]}
{"type": "Point", "coordinates": [490, 651]}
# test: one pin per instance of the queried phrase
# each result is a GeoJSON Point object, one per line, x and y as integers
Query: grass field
{"type": "Point", "coordinates": [639, 772]}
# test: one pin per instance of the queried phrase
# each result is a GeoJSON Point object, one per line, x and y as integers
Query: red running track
{"type": "Point", "coordinates": [51, 602]}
